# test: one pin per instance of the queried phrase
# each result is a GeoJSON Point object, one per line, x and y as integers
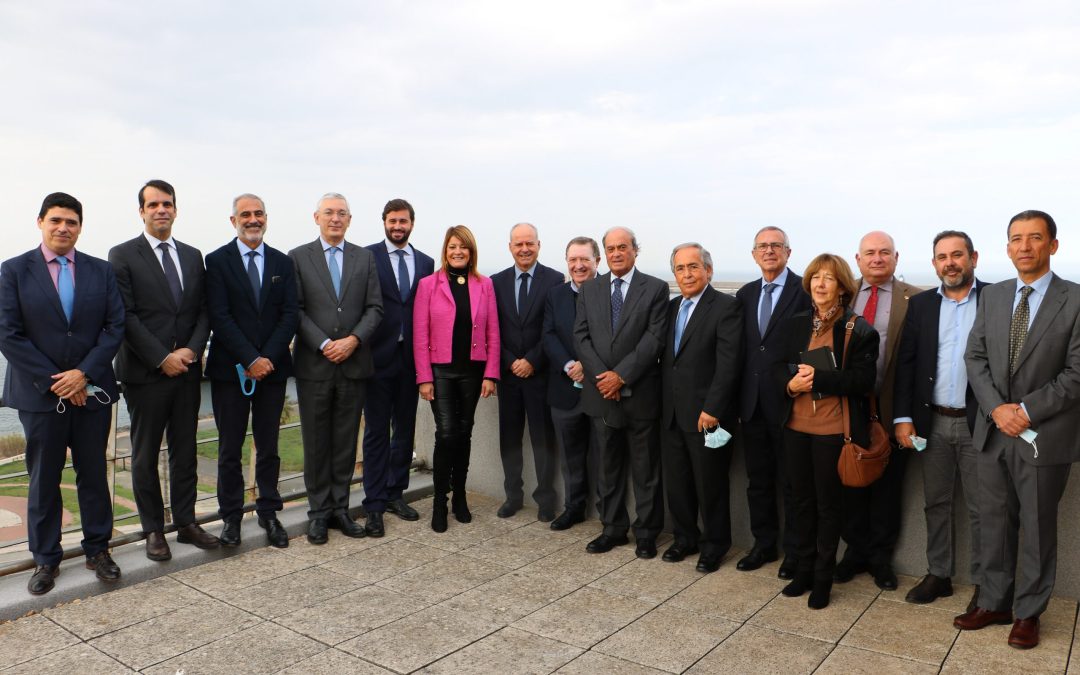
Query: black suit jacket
{"type": "Point", "coordinates": [246, 327]}
{"type": "Point", "coordinates": [916, 361]}
{"type": "Point", "coordinates": [764, 351]}
{"type": "Point", "coordinates": [703, 375]}
{"type": "Point", "coordinates": [397, 315]}
{"type": "Point", "coordinates": [155, 326]}
{"type": "Point", "coordinates": [521, 333]}
{"type": "Point", "coordinates": [559, 346]}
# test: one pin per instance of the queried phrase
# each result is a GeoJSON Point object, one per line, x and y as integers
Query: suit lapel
{"type": "Point", "coordinates": [530, 299]}
{"type": "Point", "coordinates": [787, 295]}
{"type": "Point", "coordinates": [150, 259]}
{"type": "Point", "coordinates": [603, 283]}
{"type": "Point", "coordinates": [628, 300]}
{"type": "Point", "coordinates": [474, 298]}
{"type": "Point", "coordinates": [1056, 295]}
{"type": "Point", "coordinates": [39, 270]}
{"type": "Point", "coordinates": [240, 272]}
{"type": "Point", "coordinates": [350, 255]}
{"type": "Point", "coordinates": [698, 317]}
{"type": "Point", "coordinates": [444, 285]}
{"type": "Point", "coordinates": [387, 272]}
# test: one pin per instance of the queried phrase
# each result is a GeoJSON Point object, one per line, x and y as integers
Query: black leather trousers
{"type": "Point", "coordinates": [457, 391]}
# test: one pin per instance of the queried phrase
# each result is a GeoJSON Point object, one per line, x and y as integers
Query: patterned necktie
{"type": "Point", "coordinates": [403, 285]}
{"type": "Point", "coordinates": [870, 310]}
{"type": "Point", "coordinates": [335, 271]}
{"type": "Point", "coordinates": [171, 275]}
{"type": "Point", "coordinates": [616, 302]}
{"type": "Point", "coordinates": [65, 287]}
{"type": "Point", "coordinates": [253, 274]}
{"type": "Point", "coordinates": [680, 322]}
{"type": "Point", "coordinates": [765, 311]}
{"type": "Point", "coordinates": [1018, 330]}
{"type": "Point", "coordinates": [523, 293]}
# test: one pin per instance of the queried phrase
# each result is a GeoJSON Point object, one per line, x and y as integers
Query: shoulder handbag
{"type": "Point", "coordinates": [859, 466]}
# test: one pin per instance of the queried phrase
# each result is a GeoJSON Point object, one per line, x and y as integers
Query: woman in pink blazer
{"type": "Point", "coordinates": [456, 346]}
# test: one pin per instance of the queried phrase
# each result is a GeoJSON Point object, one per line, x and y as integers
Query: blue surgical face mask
{"type": "Point", "coordinates": [99, 395]}
{"type": "Point", "coordinates": [918, 442]}
{"type": "Point", "coordinates": [717, 438]}
{"type": "Point", "coordinates": [245, 381]}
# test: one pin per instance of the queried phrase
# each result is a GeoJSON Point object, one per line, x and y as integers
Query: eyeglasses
{"type": "Point", "coordinates": [343, 214]}
{"type": "Point", "coordinates": [765, 246]}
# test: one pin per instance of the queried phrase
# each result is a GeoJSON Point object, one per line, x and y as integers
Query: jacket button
{"type": "Point", "coordinates": [69, 334]}
{"type": "Point", "coordinates": [762, 348]}
{"type": "Point", "coordinates": [339, 309]}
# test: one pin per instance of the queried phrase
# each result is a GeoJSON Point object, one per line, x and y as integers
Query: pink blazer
{"type": "Point", "coordinates": [433, 325]}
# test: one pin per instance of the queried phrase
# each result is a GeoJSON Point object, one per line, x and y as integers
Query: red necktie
{"type": "Point", "coordinates": [870, 311]}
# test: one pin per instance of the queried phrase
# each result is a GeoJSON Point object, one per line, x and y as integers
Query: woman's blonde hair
{"type": "Point", "coordinates": [467, 239]}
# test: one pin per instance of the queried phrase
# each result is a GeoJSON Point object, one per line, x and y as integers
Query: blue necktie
{"type": "Point", "coordinates": [335, 271]}
{"type": "Point", "coordinates": [765, 311]}
{"type": "Point", "coordinates": [616, 302]}
{"type": "Point", "coordinates": [403, 285]}
{"type": "Point", "coordinates": [680, 322]}
{"type": "Point", "coordinates": [253, 274]}
{"type": "Point", "coordinates": [65, 287]}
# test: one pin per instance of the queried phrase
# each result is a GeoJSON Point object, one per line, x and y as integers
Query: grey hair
{"type": "Point", "coordinates": [773, 228]}
{"type": "Point", "coordinates": [536, 232]}
{"type": "Point", "coordinates": [633, 237]}
{"type": "Point", "coordinates": [333, 195]}
{"type": "Point", "coordinates": [247, 195]}
{"type": "Point", "coordinates": [584, 241]}
{"type": "Point", "coordinates": [706, 257]}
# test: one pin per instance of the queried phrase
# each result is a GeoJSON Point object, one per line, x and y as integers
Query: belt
{"type": "Point", "coordinates": [949, 412]}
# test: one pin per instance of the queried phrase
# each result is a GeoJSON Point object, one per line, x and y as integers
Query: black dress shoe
{"type": "Point", "coordinates": [645, 549]}
{"type": "Point", "coordinates": [819, 595]}
{"type": "Point", "coordinates": [374, 525]}
{"type": "Point", "coordinates": [275, 532]}
{"type": "Point", "coordinates": [567, 519]}
{"type": "Point", "coordinates": [605, 543]}
{"type": "Point", "coordinates": [230, 534]}
{"type": "Point", "coordinates": [156, 547]}
{"type": "Point", "coordinates": [103, 566]}
{"type": "Point", "coordinates": [195, 535]}
{"type": "Point", "coordinates": [788, 568]}
{"type": "Point", "coordinates": [347, 525]}
{"type": "Point", "coordinates": [677, 552]}
{"type": "Point", "coordinates": [43, 580]}
{"type": "Point", "coordinates": [708, 563]}
{"type": "Point", "coordinates": [545, 515]}
{"type": "Point", "coordinates": [847, 568]}
{"type": "Point", "coordinates": [755, 559]}
{"type": "Point", "coordinates": [929, 589]}
{"type": "Point", "coordinates": [800, 584]}
{"type": "Point", "coordinates": [508, 509]}
{"type": "Point", "coordinates": [316, 531]}
{"type": "Point", "coordinates": [399, 508]}
{"type": "Point", "coordinates": [884, 577]}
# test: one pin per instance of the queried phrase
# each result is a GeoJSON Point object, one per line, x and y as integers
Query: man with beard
{"type": "Point", "coordinates": [252, 302]}
{"type": "Point", "coordinates": [390, 407]}
{"type": "Point", "coordinates": [933, 400]}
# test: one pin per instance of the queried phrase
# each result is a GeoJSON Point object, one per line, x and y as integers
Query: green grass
{"type": "Point", "coordinates": [290, 449]}
{"type": "Point", "coordinates": [68, 495]}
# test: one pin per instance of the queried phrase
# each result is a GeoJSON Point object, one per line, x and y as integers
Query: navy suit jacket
{"type": "Point", "coordinates": [397, 314]}
{"type": "Point", "coordinates": [38, 341]}
{"type": "Point", "coordinates": [916, 362]}
{"type": "Point", "coordinates": [521, 332]}
{"type": "Point", "coordinates": [764, 351]}
{"type": "Point", "coordinates": [560, 347]}
{"type": "Point", "coordinates": [246, 328]}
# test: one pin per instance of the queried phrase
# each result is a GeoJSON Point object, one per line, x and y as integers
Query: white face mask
{"type": "Point", "coordinates": [1030, 436]}
{"type": "Point", "coordinates": [99, 394]}
{"type": "Point", "coordinates": [716, 438]}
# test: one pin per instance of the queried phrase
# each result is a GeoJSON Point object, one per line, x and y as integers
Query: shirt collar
{"type": "Point", "coordinates": [886, 287]}
{"type": "Point", "coordinates": [155, 242]}
{"type": "Point", "coordinates": [244, 249]}
{"type": "Point", "coordinates": [327, 245]}
{"type": "Point", "coordinates": [391, 249]}
{"type": "Point", "coordinates": [779, 281]}
{"type": "Point", "coordinates": [626, 278]}
{"type": "Point", "coordinates": [1040, 285]}
{"type": "Point", "coordinates": [51, 255]}
{"type": "Point", "coordinates": [971, 294]}
{"type": "Point", "coordinates": [694, 298]}
{"type": "Point", "coordinates": [531, 271]}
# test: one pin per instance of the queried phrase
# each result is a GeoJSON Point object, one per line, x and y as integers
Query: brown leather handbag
{"type": "Point", "coordinates": [859, 466]}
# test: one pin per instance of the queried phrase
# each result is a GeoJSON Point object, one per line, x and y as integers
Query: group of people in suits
{"type": "Point", "coordinates": [644, 390]}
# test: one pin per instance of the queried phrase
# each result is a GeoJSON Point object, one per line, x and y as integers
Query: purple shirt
{"type": "Point", "coordinates": [54, 267]}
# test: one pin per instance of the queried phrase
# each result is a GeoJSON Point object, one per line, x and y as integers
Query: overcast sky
{"type": "Point", "coordinates": [681, 120]}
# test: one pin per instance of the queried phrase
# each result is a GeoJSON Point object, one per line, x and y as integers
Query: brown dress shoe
{"type": "Point", "coordinates": [156, 547]}
{"type": "Point", "coordinates": [981, 618]}
{"type": "Point", "coordinates": [193, 534]}
{"type": "Point", "coordinates": [974, 601]}
{"type": "Point", "coordinates": [1024, 633]}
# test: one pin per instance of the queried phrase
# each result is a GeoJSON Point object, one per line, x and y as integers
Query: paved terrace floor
{"type": "Point", "coordinates": [505, 596]}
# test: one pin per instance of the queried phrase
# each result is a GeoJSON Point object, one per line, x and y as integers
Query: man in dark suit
{"type": "Point", "coordinates": [521, 294]}
{"type": "Point", "coordinates": [698, 365]}
{"type": "Point", "coordinates": [390, 407]}
{"type": "Point", "coordinates": [1023, 362]}
{"type": "Point", "coordinates": [933, 400]}
{"type": "Point", "coordinates": [252, 302]}
{"type": "Point", "coordinates": [620, 331]}
{"type": "Point", "coordinates": [61, 323]}
{"type": "Point", "coordinates": [767, 303]}
{"type": "Point", "coordinates": [573, 428]}
{"type": "Point", "coordinates": [340, 307]}
{"type": "Point", "coordinates": [872, 514]}
{"type": "Point", "coordinates": [163, 285]}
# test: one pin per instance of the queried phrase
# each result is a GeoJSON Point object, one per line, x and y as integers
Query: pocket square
{"type": "Point", "coordinates": [274, 279]}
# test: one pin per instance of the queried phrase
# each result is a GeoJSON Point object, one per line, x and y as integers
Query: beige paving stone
{"type": "Point", "coordinates": [518, 547]}
{"type": "Point", "coordinates": [334, 662]}
{"type": "Point", "coordinates": [419, 639]}
{"type": "Point", "coordinates": [338, 546]}
{"type": "Point", "coordinates": [117, 609]}
{"type": "Point", "coordinates": [584, 617]}
{"type": "Point", "coordinates": [380, 562]}
{"type": "Point", "coordinates": [507, 652]}
{"type": "Point", "coordinates": [650, 580]}
{"type": "Point", "coordinates": [282, 595]}
{"type": "Point", "coordinates": [591, 663]}
{"type": "Point", "coordinates": [791, 615]}
{"type": "Point", "coordinates": [76, 658]}
{"type": "Point", "coordinates": [1060, 615]}
{"type": "Point", "coordinates": [850, 661]}
{"type": "Point", "coordinates": [759, 650]}
{"type": "Point", "coordinates": [444, 578]}
{"type": "Point", "coordinates": [174, 633]}
{"type": "Point", "coordinates": [30, 638]}
{"type": "Point", "coordinates": [914, 632]}
{"type": "Point", "coordinates": [511, 596]}
{"type": "Point", "coordinates": [240, 571]}
{"type": "Point", "coordinates": [988, 651]}
{"type": "Point", "coordinates": [344, 617]}
{"type": "Point", "coordinates": [264, 648]}
{"type": "Point", "coordinates": [459, 536]}
{"type": "Point", "coordinates": [573, 563]}
{"type": "Point", "coordinates": [667, 638]}
{"type": "Point", "coordinates": [728, 594]}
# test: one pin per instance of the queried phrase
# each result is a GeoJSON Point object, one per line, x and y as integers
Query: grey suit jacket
{"type": "Point", "coordinates": [1047, 375]}
{"type": "Point", "coordinates": [323, 316]}
{"type": "Point", "coordinates": [632, 350]}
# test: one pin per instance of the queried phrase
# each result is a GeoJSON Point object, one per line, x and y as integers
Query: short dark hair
{"type": "Point", "coordinates": [584, 241]}
{"type": "Point", "coordinates": [398, 205]}
{"type": "Point", "coordinates": [61, 200]}
{"type": "Point", "coordinates": [955, 233]}
{"type": "Point", "coordinates": [158, 184]}
{"type": "Point", "coordinates": [1032, 214]}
